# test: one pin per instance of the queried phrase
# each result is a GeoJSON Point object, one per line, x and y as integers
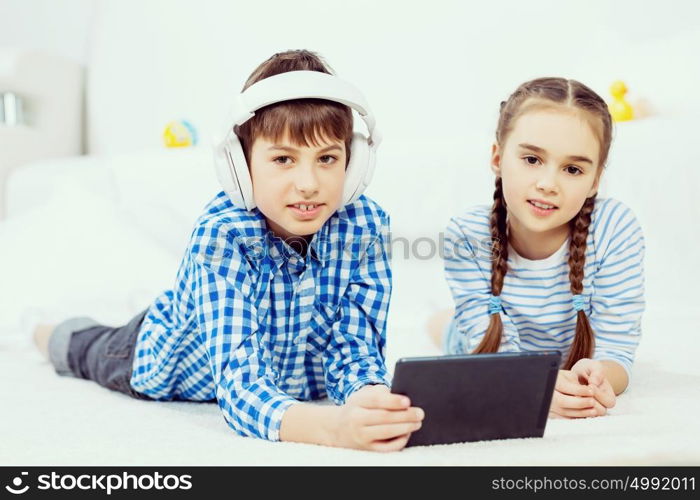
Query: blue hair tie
{"type": "Point", "coordinates": [494, 304]}
{"type": "Point", "coordinates": [578, 302]}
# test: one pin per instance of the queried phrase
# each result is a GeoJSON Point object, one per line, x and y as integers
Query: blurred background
{"type": "Point", "coordinates": [99, 82]}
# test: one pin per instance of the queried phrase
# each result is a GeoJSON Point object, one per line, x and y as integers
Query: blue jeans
{"type": "Point", "coordinates": [81, 347]}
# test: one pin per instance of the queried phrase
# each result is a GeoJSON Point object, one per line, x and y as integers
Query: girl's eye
{"type": "Point", "coordinates": [282, 160]}
{"type": "Point", "coordinates": [573, 170]}
{"type": "Point", "coordinates": [328, 159]}
{"type": "Point", "coordinates": [531, 160]}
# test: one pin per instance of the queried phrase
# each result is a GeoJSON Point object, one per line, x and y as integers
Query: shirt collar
{"type": "Point", "coordinates": [259, 244]}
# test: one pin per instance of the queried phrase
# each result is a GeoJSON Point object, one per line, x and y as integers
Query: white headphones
{"type": "Point", "coordinates": [229, 160]}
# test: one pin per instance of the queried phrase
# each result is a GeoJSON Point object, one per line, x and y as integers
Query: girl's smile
{"type": "Point", "coordinates": [548, 169]}
{"type": "Point", "coordinates": [541, 208]}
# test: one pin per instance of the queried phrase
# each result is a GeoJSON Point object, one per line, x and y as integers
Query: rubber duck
{"type": "Point", "coordinates": [619, 108]}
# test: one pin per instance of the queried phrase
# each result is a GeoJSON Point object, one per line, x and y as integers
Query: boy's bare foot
{"type": "Point", "coordinates": [437, 323]}
{"type": "Point", "coordinates": [41, 336]}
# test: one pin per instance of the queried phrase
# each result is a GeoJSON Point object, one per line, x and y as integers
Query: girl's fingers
{"type": "Point", "coordinates": [605, 395]}
{"type": "Point", "coordinates": [566, 386]}
{"type": "Point", "coordinates": [577, 413]}
{"type": "Point", "coordinates": [576, 407]}
{"type": "Point", "coordinates": [565, 401]}
{"type": "Point", "coordinates": [591, 371]}
{"type": "Point", "coordinates": [596, 375]}
{"type": "Point", "coordinates": [600, 409]}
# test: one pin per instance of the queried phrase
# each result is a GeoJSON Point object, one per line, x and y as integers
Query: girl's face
{"type": "Point", "coordinates": [550, 159]}
{"type": "Point", "coordinates": [297, 188]}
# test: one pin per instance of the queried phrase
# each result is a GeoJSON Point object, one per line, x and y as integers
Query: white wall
{"type": "Point", "coordinates": [433, 63]}
{"type": "Point", "coordinates": [441, 63]}
{"type": "Point", "coordinates": [56, 26]}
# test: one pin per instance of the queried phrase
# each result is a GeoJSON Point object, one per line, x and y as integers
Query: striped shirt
{"type": "Point", "coordinates": [538, 311]}
{"type": "Point", "coordinates": [257, 326]}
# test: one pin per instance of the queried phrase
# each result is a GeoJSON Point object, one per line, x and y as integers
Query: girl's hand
{"type": "Point", "coordinates": [571, 399]}
{"type": "Point", "coordinates": [375, 419]}
{"type": "Point", "coordinates": [591, 372]}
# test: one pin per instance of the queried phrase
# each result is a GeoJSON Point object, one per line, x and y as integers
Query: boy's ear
{"type": "Point", "coordinates": [496, 159]}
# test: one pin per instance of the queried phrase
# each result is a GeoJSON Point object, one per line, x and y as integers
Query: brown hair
{"type": "Point", "coordinates": [538, 93]}
{"type": "Point", "coordinates": [306, 120]}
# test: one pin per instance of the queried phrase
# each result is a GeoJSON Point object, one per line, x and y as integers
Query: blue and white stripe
{"type": "Point", "coordinates": [538, 308]}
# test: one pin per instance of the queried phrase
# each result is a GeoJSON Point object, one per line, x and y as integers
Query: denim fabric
{"type": "Point", "coordinates": [83, 348]}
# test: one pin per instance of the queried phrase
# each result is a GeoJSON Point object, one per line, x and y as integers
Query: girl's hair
{"type": "Point", "coordinates": [538, 93]}
{"type": "Point", "coordinates": [306, 120]}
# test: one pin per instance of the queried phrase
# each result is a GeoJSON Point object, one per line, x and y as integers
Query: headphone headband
{"type": "Point", "coordinates": [302, 85]}
{"type": "Point", "coordinates": [229, 158]}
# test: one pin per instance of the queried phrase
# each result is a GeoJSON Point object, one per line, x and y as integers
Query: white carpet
{"type": "Point", "coordinates": [52, 420]}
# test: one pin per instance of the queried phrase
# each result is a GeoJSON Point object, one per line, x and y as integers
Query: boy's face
{"type": "Point", "coordinates": [550, 156]}
{"type": "Point", "coordinates": [297, 188]}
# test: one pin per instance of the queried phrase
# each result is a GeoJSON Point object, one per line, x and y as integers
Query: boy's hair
{"type": "Point", "coordinates": [538, 93]}
{"type": "Point", "coordinates": [306, 120]}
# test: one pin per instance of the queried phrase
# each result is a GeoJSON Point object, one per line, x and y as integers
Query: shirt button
{"type": "Point", "coordinates": [298, 340]}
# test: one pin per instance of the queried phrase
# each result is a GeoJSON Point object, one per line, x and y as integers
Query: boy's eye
{"type": "Point", "coordinates": [282, 160]}
{"type": "Point", "coordinates": [531, 160]}
{"type": "Point", "coordinates": [573, 170]}
{"type": "Point", "coordinates": [328, 159]}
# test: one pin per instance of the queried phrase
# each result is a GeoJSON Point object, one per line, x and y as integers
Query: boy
{"type": "Point", "coordinates": [269, 307]}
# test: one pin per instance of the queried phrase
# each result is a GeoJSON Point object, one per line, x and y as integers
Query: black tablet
{"type": "Point", "coordinates": [479, 396]}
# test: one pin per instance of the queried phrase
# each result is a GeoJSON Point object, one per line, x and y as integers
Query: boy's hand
{"type": "Point", "coordinates": [375, 419]}
{"type": "Point", "coordinates": [571, 399]}
{"type": "Point", "coordinates": [592, 373]}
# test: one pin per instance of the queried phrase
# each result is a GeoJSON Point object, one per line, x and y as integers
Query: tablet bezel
{"type": "Point", "coordinates": [420, 377]}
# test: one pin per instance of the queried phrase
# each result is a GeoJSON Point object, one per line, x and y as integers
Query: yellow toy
{"type": "Point", "coordinates": [620, 109]}
{"type": "Point", "coordinates": [179, 134]}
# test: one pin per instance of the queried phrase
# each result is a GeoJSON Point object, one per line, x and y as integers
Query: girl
{"type": "Point", "coordinates": [559, 269]}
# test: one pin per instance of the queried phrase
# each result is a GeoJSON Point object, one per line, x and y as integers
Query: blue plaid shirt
{"type": "Point", "coordinates": [257, 326]}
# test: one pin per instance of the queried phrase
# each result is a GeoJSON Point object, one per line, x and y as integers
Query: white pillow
{"type": "Point", "coordinates": [75, 254]}
{"type": "Point", "coordinates": [162, 192]}
{"type": "Point", "coordinates": [32, 185]}
{"type": "Point", "coordinates": [651, 172]}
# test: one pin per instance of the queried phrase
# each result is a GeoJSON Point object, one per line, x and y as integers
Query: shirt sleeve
{"type": "Point", "coordinates": [618, 301]}
{"type": "Point", "coordinates": [355, 355]}
{"type": "Point", "coordinates": [467, 269]}
{"type": "Point", "coordinates": [241, 366]}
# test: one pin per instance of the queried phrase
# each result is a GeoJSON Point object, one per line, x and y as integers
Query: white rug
{"type": "Point", "coordinates": [52, 420]}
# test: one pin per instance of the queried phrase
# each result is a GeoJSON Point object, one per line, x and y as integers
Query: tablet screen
{"type": "Point", "coordinates": [480, 396]}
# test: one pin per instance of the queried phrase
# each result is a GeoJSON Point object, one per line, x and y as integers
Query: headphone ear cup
{"type": "Point", "coordinates": [360, 165]}
{"type": "Point", "coordinates": [232, 172]}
